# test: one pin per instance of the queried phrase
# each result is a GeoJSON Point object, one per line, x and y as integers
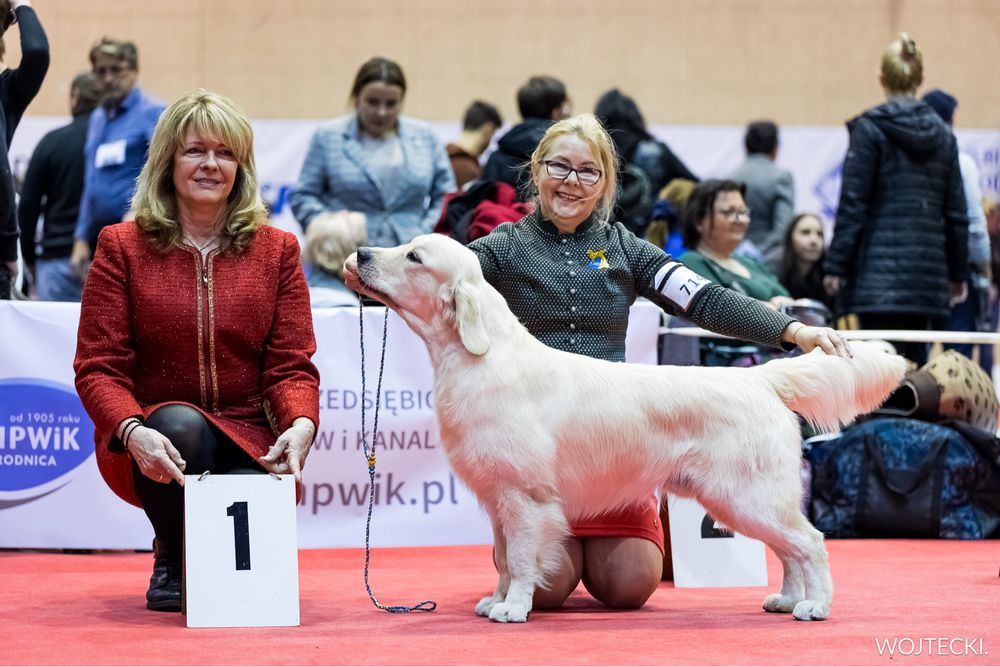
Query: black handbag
{"type": "Point", "coordinates": [899, 496]}
{"type": "Point", "coordinates": [895, 477]}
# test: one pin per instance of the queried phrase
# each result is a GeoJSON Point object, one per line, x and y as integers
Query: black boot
{"type": "Point", "coordinates": [164, 592]}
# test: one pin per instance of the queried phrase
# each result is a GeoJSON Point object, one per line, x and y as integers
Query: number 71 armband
{"type": "Point", "coordinates": [679, 284]}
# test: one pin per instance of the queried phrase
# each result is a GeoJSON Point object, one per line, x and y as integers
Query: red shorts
{"type": "Point", "coordinates": [642, 520]}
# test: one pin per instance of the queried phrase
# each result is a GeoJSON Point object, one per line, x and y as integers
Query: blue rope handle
{"type": "Point", "coordinates": [426, 605]}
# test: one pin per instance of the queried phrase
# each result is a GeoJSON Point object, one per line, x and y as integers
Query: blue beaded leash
{"type": "Point", "coordinates": [426, 605]}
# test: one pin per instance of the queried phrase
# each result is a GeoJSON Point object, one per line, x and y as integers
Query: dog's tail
{"type": "Point", "coordinates": [830, 391]}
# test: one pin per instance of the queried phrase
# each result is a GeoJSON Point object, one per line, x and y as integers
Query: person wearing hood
{"type": "Point", "coordinates": [973, 314]}
{"type": "Point", "coordinates": [899, 255]}
{"type": "Point", "coordinates": [541, 101]}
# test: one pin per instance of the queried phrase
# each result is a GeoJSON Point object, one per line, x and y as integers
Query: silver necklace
{"type": "Point", "coordinates": [205, 246]}
{"type": "Point", "coordinates": [203, 261]}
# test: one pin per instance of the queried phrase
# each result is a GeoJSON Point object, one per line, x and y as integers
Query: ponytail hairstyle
{"type": "Point", "coordinates": [902, 67]}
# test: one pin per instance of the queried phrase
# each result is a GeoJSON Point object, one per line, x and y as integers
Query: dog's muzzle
{"type": "Point", "coordinates": [364, 255]}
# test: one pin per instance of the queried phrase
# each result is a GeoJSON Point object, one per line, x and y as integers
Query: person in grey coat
{"type": "Point", "coordinates": [899, 254]}
{"type": "Point", "coordinates": [373, 161]}
{"type": "Point", "coordinates": [770, 189]}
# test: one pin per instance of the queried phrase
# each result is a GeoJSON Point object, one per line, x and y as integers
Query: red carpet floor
{"type": "Point", "coordinates": [88, 609]}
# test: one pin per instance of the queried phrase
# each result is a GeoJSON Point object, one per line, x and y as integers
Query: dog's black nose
{"type": "Point", "coordinates": [364, 254]}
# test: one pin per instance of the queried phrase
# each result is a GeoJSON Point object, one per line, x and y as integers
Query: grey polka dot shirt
{"type": "Point", "coordinates": [573, 291]}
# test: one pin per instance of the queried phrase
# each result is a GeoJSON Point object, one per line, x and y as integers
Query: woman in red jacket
{"type": "Point", "coordinates": [195, 335]}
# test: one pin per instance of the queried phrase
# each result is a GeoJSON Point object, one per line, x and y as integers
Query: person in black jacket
{"type": "Point", "coordinates": [647, 166]}
{"type": "Point", "coordinates": [52, 187]}
{"type": "Point", "coordinates": [541, 101]}
{"type": "Point", "coordinates": [17, 88]}
{"type": "Point", "coordinates": [899, 250]}
{"type": "Point", "coordinates": [624, 122]}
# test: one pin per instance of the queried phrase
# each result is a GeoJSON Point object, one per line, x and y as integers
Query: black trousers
{"type": "Point", "coordinates": [5, 286]}
{"type": "Point", "coordinates": [203, 448]}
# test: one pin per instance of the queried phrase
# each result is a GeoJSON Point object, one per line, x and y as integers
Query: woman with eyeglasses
{"type": "Point", "coordinates": [17, 88]}
{"type": "Point", "coordinates": [715, 223]}
{"type": "Point", "coordinates": [570, 273]}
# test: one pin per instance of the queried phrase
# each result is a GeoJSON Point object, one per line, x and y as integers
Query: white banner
{"type": "Point", "coordinates": [52, 495]}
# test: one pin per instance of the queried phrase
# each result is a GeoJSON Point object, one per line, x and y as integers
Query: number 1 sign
{"type": "Point", "coordinates": [240, 554]}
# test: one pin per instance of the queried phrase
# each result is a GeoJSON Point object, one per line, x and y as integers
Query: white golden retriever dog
{"type": "Point", "coordinates": [545, 437]}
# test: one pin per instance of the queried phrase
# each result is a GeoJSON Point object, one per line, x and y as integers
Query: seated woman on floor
{"type": "Point", "coordinates": [193, 352]}
{"type": "Point", "coordinates": [570, 274]}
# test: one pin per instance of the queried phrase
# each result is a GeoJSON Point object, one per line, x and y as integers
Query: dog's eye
{"type": "Point", "coordinates": [413, 257]}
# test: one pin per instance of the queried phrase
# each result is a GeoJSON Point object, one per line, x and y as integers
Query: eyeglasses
{"type": "Point", "coordinates": [731, 214]}
{"type": "Point", "coordinates": [561, 171]}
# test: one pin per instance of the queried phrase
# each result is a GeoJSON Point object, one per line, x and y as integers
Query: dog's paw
{"type": "Point", "coordinates": [776, 602]}
{"type": "Point", "coordinates": [810, 610]}
{"type": "Point", "coordinates": [504, 612]}
{"type": "Point", "coordinates": [484, 606]}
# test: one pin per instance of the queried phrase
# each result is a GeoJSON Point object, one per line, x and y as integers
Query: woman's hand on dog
{"type": "Point", "coordinates": [809, 338]}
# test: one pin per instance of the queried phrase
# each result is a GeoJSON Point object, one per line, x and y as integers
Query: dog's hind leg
{"type": "Point", "coordinates": [803, 554]}
{"type": "Point", "coordinates": [816, 572]}
{"type": "Point", "coordinates": [485, 605]}
{"type": "Point", "coordinates": [532, 530]}
{"type": "Point", "coordinates": [806, 588]}
{"type": "Point", "coordinates": [793, 588]}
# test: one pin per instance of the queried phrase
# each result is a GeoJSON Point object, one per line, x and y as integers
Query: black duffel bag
{"type": "Point", "coordinates": [898, 477]}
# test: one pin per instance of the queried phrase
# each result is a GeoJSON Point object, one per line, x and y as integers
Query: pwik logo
{"type": "Point", "coordinates": [44, 434]}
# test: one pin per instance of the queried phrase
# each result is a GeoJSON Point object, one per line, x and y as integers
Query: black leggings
{"type": "Point", "coordinates": [203, 447]}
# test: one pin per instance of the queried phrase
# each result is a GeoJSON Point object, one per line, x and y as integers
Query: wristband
{"type": "Point", "coordinates": [125, 424]}
{"type": "Point", "coordinates": [130, 426]}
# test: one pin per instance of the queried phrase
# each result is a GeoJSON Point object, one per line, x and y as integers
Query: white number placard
{"type": "Point", "coordinates": [708, 556]}
{"type": "Point", "coordinates": [240, 552]}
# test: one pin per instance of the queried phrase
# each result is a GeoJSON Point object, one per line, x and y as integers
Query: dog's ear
{"type": "Point", "coordinates": [468, 317]}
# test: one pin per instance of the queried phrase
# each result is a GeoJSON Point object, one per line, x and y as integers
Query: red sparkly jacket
{"type": "Point", "coordinates": [233, 340]}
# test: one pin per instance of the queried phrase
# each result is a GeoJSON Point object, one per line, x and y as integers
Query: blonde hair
{"type": "Point", "coordinates": [587, 128]}
{"type": "Point", "coordinates": [331, 238]}
{"type": "Point", "coordinates": [155, 201]}
{"type": "Point", "coordinates": [902, 66]}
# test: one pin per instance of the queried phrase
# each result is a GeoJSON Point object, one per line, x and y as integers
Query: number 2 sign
{"type": "Point", "coordinates": [240, 551]}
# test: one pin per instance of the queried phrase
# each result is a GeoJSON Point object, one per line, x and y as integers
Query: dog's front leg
{"type": "Point", "coordinates": [522, 525]}
{"type": "Point", "coordinates": [500, 560]}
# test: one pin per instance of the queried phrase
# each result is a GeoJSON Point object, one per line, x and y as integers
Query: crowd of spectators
{"type": "Point", "coordinates": [379, 177]}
